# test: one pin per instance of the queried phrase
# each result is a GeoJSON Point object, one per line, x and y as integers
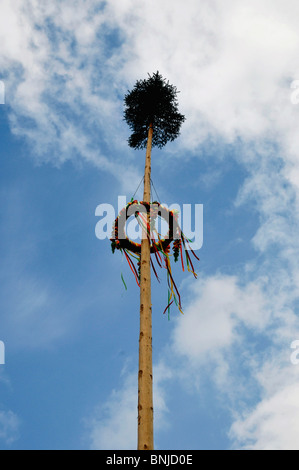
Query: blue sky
{"type": "Point", "coordinates": [223, 378]}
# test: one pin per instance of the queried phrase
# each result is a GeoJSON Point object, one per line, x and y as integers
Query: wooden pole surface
{"type": "Point", "coordinates": [145, 374]}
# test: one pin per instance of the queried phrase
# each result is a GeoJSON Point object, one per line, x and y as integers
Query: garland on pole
{"type": "Point", "coordinates": [146, 215]}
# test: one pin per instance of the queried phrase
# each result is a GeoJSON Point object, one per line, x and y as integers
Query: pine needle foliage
{"type": "Point", "coordinates": [152, 101]}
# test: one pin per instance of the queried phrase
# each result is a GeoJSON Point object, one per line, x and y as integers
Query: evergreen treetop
{"type": "Point", "coordinates": [152, 101]}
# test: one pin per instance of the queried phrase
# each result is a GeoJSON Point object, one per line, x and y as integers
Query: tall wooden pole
{"type": "Point", "coordinates": [145, 374]}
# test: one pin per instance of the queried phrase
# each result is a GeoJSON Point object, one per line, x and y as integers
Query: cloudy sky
{"type": "Point", "coordinates": [225, 375]}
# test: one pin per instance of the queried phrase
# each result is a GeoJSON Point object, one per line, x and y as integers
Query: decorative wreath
{"type": "Point", "coordinates": [141, 212]}
{"type": "Point", "coordinates": [146, 214]}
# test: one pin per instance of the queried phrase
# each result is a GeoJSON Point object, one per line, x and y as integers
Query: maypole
{"type": "Point", "coordinates": [145, 372]}
{"type": "Point", "coordinates": [151, 110]}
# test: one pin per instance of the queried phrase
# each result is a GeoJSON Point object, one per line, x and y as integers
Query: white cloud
{"type": "Point", "coordinates": [9, 427]}
{"type": "Point", "coordinates": [240, 336]}
{"type": "Point", "coordinates": [218, 308]}
{"type": "Point", "coordinates": [273, 424]}
{"type": "Point", "coordinates": [233, 64]}
{"type": "Point", "coordinates": [114, 425]}
{"type": "Point", "coordinates": [61, 95]}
